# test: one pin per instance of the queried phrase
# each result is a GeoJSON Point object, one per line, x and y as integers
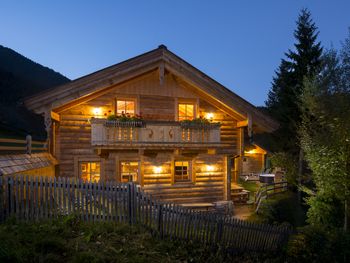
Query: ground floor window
{"type": "Point", "coordinates": [129, 171]}
{"type": "Point", "coordinates": [182, 171]}
{"type": "Point", "coordinates": [90, 171]}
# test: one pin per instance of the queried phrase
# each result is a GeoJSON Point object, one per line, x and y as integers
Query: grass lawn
{"type": "Point", "coordinates": [70, 240]}
{"type": "Point", "coordinates": [251, 186]}
{"type": "Point", "coordinates": [282, 208]}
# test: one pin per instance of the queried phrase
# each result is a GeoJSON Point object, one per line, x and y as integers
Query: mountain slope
{"type": "Point", "coordinates": [21, 77]}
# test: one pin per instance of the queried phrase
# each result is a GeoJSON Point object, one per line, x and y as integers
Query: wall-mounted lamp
{"type": "Point", "coordinates": [209, 116]}
{"type": "Point", "coordinates": [157, 169]}
{"type": "Point", "coordinates": [97, 112]}
{"type": "Point", "coordinates": [251, 151]}
{"type": "Point", "coordinates": [210, 168]}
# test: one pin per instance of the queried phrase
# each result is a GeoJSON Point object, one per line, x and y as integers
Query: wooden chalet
{"type": "Point", "coordinates": [187, 147]}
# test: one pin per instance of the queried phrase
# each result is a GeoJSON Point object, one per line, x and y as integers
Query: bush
{"type": "Point", "coordinates": [70, 240]}
{"type": "Point", "coordinates": [289, 163]}
{"type": "Point", "coordinates": [283, 208]}
{"type": "Point", "coordinates": [316, 244]}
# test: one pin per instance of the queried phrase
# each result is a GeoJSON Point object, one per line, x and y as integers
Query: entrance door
{"type": "Point", "coordinates": [129, 171]}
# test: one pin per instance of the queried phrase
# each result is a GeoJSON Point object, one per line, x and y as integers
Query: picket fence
{"type": "Point", "coordinates": [36, 198]}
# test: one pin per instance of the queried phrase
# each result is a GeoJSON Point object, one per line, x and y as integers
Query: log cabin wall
{"type": "Point", "coordinates": [253, 163]}
{"type": "Point", "coordinates": [205, 185]}
{"type": "Point", "coordinates": [228, 132]}
{"type": "Point", "coordinates": [155, 102]}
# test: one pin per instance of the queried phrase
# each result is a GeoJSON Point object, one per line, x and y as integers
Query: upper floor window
{"type": "Point", "coordinates": [125, 106]}
{"type": "Point", "coordinates": [186, 111]}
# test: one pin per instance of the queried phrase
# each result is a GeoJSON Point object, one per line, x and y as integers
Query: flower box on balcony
{"type": "Point", "coordinates": [124, 120]}
{"type": "Point", "coordinates": [199, 123]}
{"type": "Point", "coordinates": [117, 123]}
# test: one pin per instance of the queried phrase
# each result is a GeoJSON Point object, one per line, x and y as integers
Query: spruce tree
{"type": "Point", "coordinates": [284, 97]}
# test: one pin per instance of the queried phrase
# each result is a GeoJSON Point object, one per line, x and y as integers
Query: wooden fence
{"type": "Point", "coordinates": [27, 145]}
{"type": "Point", "coordinates": [28, 198]}
{"type": "Point", "coordinates": [267, 191]}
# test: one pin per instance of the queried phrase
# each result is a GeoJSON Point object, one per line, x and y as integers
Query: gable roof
{"type": "Point", "coordinates": [100, 82]}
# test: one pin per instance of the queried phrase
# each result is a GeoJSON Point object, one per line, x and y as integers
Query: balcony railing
{"type": "Point", "coordinates": [153, 133]}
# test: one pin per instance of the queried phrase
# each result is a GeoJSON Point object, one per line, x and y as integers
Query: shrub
{"type": "Point", "coordinates": [283, 208]}
{"type": "Point", "coordinates": [316, 244]}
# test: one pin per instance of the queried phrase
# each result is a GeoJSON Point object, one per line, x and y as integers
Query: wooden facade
{"type": "Point", "coordinates": [174, 162]}
{"type": "Point", "coordinates": [254, 161]}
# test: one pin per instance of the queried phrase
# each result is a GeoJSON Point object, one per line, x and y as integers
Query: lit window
{"type": "Point", "coordinates": [129, 171]}
{"type": "Point", "coordinates": [186, 111]}
{"type": "Point", "coordinates": [182, 171]}
{"type": "Point", "coordinates": [126, 107]}
{"type": "Point", "coordinates": [90, 171]}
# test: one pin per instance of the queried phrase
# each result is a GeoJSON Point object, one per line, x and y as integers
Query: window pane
{"type": "Point", "coordinates": [182, 110]}
{"type": "Point", "coordinates": [130, 107]}
{"type": "Point", "coordinates": [189, 111]}
{"type": "Point", "coordinates": [120, 107]}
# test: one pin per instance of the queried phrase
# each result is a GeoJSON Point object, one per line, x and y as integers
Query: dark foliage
{"type": "Point", "coordinates": [316, 244]}
{"type": "Point", "coordinates": [70, 240]}
{"type": "Point", "coordinates": [284, 97]}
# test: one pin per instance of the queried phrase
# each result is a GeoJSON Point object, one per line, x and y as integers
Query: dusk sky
{"type": "Point", "coordinates": [238, 43]}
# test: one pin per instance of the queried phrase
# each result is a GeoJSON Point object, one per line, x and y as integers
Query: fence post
{"type": "Point", "coordinates": [134, 198]}
{"type": "Point", "coordinates": [1, 200]}
{"type": "Point", "coordinates": [129, 203]}
{"type": "Point", "coordinates": [219, 229]}
{"type": "Point", "coordinates": [160, 219]}
{"type": "Point", "coordinates": [29, 144]}
{"type": "Point", "coordinates": [9, 198]}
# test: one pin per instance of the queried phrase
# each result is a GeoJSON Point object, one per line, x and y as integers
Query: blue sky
{"type": "Point", "coordinates": [238, 43]}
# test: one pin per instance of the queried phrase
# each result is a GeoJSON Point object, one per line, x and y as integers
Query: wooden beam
{"type": "Point", "coordinates": [250, 126]}
{"type": "Point", "coordinates": [241, 124]}
{"type": "Point", "coordinates": [161, 73]}
{"type": "Point", "coordinates": [55, 116]}
{"type": "Point", "coordinates": [6, 140]}
{"type": "Point", "coordinates": [227, 184]}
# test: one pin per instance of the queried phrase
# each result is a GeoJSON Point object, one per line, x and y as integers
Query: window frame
{"type": "Point", "coordinates": [193, 102]}
{"type": "Point", "coordinates": [88, 159]}
{"type": "Point", "coordinates": [189, 171]}
{"type": "Point", "coordinates": [89, 173]}
{"type": "Point", "coordinates": [129, 160]}
{"type": "Point", "coordinates": [125, 98]}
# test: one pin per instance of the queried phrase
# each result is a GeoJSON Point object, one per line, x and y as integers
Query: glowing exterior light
{"type": "Point", "coordinates": [250, 152]}
{"type": "Point", "coordinates": [97, 112]}
{"type": "Point", "coordinates": [210, 168]}
{"type": "Point", "coordinates": [210, 115]}
{"type": "Point", "coordinates": [157, 169]}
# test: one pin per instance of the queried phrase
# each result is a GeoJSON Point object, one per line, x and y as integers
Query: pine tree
{"type": "Point", "coordinates": [284, 97]}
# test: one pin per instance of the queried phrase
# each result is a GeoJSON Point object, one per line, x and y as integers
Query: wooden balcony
{"type": "Point", "coordinates": [153, 134]}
